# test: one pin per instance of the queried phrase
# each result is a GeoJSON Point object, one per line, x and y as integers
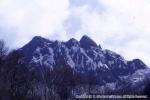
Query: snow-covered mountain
{"type": "Point", "coordinates": [82, 56]}
{"type": "Point", "coordinates": [80, 67]}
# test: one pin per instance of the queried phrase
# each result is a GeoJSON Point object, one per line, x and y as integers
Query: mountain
{"type": "Point", "coordinates": [82, 56]}
{"type": "Point", "coordinates": [79, 67]}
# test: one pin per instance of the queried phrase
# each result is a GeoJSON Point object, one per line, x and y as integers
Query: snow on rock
{"type": "Point", "coordinates": [83, 56]}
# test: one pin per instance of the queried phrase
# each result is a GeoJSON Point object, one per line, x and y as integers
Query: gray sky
{"type": "Point", "coordinates": [120, 25]}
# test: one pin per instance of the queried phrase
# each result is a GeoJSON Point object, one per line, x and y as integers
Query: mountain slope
{"type": "Point", "coordinates": [82, 56]}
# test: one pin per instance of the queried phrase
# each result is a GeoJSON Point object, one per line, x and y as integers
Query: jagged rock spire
{"type": "Point", "coordinates": [86, 42]}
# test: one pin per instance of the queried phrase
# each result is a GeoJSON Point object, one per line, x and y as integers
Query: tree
{"type": "Point", "coordinates": [63, 79]}
{"type": "Point", "coordinates": [3, 53]}
{"type": "Point", "coordinates": [14, 77]}
{"type": "Point", "coordinates": [3, 49]}
{"type": "Point", "coordinates": [147, 91]}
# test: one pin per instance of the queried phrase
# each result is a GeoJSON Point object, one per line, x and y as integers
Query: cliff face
{"type": "Point", "coordinates": [82, 56]}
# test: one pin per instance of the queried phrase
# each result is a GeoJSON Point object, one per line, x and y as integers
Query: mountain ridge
{"type": "Point", "coordinates": [83, 55]}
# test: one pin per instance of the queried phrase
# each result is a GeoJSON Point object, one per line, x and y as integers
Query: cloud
{"type": "Point", "coordinates": [93, 5]}
{"type": "Point", "coordinates": [72, 24]}
{"type": "Point", "coordinates": [119, 25]}
{"type": "Point", "coordinates": [26, 18]}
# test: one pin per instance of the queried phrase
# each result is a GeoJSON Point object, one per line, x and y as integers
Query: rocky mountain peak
{"type": "Point", "coordinates": [38, 39]}
{"type": "Point", "coordinates": [78, 54]}
{"type": "Point", "coordinates": [72, 42]}
{"type": "Point", "coordinates": [82, 56]}
{"type": "Point", "coordinates": [86, 42]}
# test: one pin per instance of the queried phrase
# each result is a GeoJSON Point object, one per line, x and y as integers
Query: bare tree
{"type": "Point", "coordinates": [3, 49]}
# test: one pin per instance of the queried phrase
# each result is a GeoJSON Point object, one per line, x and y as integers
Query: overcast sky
{"type": "Point", "coordinates": [119, 25]}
